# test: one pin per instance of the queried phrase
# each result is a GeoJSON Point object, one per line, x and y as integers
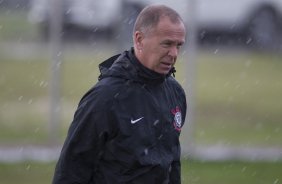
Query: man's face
{"type": "Point", "coordinates": [158, 48]}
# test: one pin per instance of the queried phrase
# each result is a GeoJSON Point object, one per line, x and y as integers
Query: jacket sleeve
{"type": "Point", "coordinates": [86, 137]}
{"type": "Point", "coordinates": [175, 173]}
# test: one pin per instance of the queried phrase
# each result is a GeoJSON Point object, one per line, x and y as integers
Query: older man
{"type": "Point", "coordinates": [126, 128]}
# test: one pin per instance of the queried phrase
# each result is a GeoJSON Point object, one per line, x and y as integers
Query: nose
{"type": "Point", "coordinates": [173, 51]}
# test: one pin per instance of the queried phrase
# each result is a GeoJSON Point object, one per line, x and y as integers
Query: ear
{"type": "Point", "coordinates": [138, 38]}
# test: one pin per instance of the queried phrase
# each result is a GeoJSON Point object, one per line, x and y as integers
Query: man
{"type": "Point", "coordinates": [126, 128]}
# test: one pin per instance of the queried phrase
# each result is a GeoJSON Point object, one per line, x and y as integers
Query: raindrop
{"type": "Point", "coordinates": [91, 62]}
{"type": "Point", "coordinates": [46, 84]}
{"type": "Point", "coordinates": [232, 26]}
{"type": "Point", "coordinates": [183, 54]}
{"type": "Point", "coordinates": [59, 53]}
{"type": "Point", "coordinates": [216, 51]}
{"type": "Point", "coordinates": [20, 98]}
{"type": "Point", "coordinates": [128, 82]}
{"type": "Point", "coordinates": [58, 65]}
{"type": "Point", "coordinates": [257, 82]}
{"type": "Point", "coordinates": [156, 122]}
{"type": "Point", "coordinates": [202, 34]}
{"type": "Point", "coordinates": [146, 151]}
{"type": "Point", "coordinates": [258, 126]}
{"type": "Point", "coordinates": [36, 130]}
{"type": "Point", "coordinates": [100, 153]}
{"type": "Point", "coordinates": [248, 63]}
{"type": "Point", "coordinates": [30, 101]}
{"type": "Point", "coordinates": [21, 149]}
{"type": "Point", "coordinates": [277, 130]}
{"type": "Point", "coordinates": [202, 133]}
{"type": "Point", "coordinates": [117, 36]}
{"type": "Point", "coordinates": [68, 11]}
{"type": "Point", "coordinates": [183, 81]}
{"type": "Point", "coordinates": [243, 169]}
{"type": "Point", "coordinates": [116, 95]}
{"type": "Point", "coordinates": [267, 138]}
{"type": "Point", "coordinates": [27, 167]}
{"type": "Point", "coordinates": [249, 41]}
{"type": "Point", "coordinates": [126, 65]}
{"type": "Point", "coordinates": [243, 75]}
{"type": "Point", "coordinates": [276, 181]}
{"type": "Point", "coordinates": [237, 86]}
{"type": "Point", "coordinates": [230, 99]}
{"type": "Point", "coordinates": [131, 21]}
{"type": "Point", "coordinates": [95, 29]}
{"type": "Point", "coordinates": [160, 137]}
{"type": "Point", "coordinates": [41, 83]}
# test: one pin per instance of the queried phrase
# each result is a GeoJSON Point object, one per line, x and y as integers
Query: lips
{"type": "Point", "coordinates": [166, 64]}
{"type": "Point", "coordinates": [168, 61]}
{"type": "Point", "coordinates": [165, 67]}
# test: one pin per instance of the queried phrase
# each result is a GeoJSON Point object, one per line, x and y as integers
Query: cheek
{"type": "Point", "coordinates": [154, 53]}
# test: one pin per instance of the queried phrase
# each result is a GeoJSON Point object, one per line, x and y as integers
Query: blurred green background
{"type": "Point", "coordinates": [237, 103]}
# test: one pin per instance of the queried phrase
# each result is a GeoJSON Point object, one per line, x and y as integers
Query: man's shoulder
{"type": "Point", "coordinates": [106, 86]}
{"type": "Point", "coordinates": [100, 95]}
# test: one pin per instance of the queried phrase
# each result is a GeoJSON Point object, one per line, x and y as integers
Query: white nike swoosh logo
{"type": "Point", "coordinates": [136, 120]}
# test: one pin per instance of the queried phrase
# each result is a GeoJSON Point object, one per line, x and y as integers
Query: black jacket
{"type": "Point", "coordinates": [126, 128]}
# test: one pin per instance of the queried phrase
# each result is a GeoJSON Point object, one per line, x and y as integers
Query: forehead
{"type": "Point", "coordinates": [167, 28]}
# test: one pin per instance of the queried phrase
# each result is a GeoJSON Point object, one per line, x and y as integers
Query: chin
{"type": "Point", "coordinates": [163, 72]}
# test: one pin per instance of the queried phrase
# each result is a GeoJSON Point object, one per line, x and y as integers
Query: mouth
{"type": "Point", "coordinates": [166, 65]}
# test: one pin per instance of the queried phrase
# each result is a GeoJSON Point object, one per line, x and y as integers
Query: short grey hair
{"type": "Point", "coordinates": [150, 16]}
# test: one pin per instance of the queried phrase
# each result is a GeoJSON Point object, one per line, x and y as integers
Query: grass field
{"type": "Point", "coordinates": [193, 172]}
{"type": "Point", "coordinates": [15, 27]}
{"type": "Point", "coordinates": [237, 98]}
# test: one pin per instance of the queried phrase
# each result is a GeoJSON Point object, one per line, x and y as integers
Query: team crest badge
{"type": "Point", "coordinates": [177, 118]}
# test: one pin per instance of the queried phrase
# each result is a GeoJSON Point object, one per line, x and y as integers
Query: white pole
{"type": "Point", "coordinates": [190, 78]}
{"type": "Point", "coordinates": [55, 70]}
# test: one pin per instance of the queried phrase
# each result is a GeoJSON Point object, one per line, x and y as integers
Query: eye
{"type": "Point", "coordinates": [166, 44]}
{"type": "Point", "coordinates": [179, 45]}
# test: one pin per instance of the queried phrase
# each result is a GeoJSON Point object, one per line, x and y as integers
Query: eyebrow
{"type": "Point", "coordinates": [173, 42]}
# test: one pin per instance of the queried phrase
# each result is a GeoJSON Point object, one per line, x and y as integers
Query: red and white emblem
{"type": "Point", "coordinates": [177, 118]}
